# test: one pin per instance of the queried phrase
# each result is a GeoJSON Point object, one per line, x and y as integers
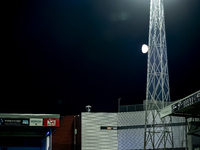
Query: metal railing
{"type": "Point", "coordinates": [128, 108]}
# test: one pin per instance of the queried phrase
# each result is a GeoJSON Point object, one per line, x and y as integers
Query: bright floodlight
{"type": "Point", "coordinates": [145, 48]}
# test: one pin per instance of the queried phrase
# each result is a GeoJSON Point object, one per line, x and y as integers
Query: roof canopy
{"type": "Point", "coordinates": [186, 107]}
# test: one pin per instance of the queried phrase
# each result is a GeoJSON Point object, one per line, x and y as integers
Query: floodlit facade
{"type": "Point", "coordinates": [121, 131]}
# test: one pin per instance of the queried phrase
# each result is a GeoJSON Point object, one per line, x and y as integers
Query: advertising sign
{"type": "Point", "coordinates": [51, 121]}
{"type": "Point", "coordinates": [186, 102]}
{"type": "Point", "coordinates": [13, 122]}
{"type": "Point", "coordinates": [36, 122]}
{"type": "Point", "coordinates": [108, 128]}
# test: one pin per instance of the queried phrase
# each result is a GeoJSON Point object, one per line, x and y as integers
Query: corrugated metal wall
{"type": "Point", "coordinates": [93, 138]}
{"type": "Point", "coordinates": [130, 133]}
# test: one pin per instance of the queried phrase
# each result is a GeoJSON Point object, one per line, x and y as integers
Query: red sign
{"type": "Point", "coordinates": [51, 122]}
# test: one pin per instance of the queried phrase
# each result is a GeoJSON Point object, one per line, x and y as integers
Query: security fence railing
{"type": "Point", "coordinates": [128, 108]}
{"type": "Point", "coordinates": [140, 107]}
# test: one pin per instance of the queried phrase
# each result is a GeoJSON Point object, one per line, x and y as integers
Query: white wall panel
{"type": "Point", "coordinates": [130, 133]}
{"type": "Point", "coordinates": [93, 138]}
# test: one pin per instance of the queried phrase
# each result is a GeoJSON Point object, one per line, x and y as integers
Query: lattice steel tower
{"type": "Point", "coordinates": [158, 132]}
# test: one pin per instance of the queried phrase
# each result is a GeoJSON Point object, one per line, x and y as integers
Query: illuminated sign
{"type": "Point", "coordinates": [13, 122]}
{"type": "Point", "coordinates": [36, 122]}
{"type": "Point", "coordinates": [30, 122]}
{"type": "Point", "coordinates": [186, 102]}
{"type": "Point", "coordinates": [51, 122]}
{"type": "Point", "coordinates": [108, 128]}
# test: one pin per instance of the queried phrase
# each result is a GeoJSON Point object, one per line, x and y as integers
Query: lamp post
{"type": "Point", "coordinates": [88, 108]}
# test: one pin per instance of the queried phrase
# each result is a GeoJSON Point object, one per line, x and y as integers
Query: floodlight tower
{"type": "Point", "coordinates": [158, 132]}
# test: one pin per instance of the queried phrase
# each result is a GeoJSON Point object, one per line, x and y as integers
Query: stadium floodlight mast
{"type": "Point", "coordinates": [158, 132]}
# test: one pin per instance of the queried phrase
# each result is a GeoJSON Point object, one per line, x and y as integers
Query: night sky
{"type": "Point", "coordinates": [59, 56]}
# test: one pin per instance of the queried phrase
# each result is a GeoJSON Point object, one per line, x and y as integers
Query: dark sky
{"type": "Point", "coordinates": [63, 55]}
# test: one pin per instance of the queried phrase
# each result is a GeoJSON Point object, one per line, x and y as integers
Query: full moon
{"type": "Point", "coordinates": [145, 48]}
